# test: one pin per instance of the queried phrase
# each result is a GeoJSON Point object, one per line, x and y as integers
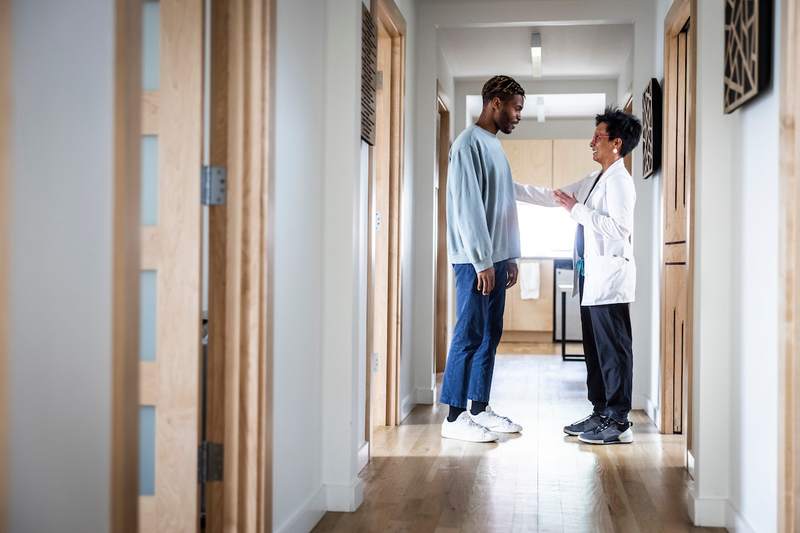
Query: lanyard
{"type": "Point", "coordinates": [593, 186]}
{"type": "Point", "coordinates": [581, 265]}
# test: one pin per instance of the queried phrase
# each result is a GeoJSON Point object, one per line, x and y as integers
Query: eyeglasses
{"type": "Point", "coordinates": [596, 136]}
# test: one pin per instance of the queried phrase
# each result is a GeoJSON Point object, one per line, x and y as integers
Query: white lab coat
{"type": "Point", "coordinates": [607, 218]}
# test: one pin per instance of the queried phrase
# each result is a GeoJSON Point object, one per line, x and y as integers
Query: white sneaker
{"type": "Point", "coordinates": [463, 428]}
{"type": "Point", "coordinates": [495, 423]}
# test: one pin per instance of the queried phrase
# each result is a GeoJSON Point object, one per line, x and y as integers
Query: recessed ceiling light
{"type": "Point", "coordinates": [536, 54]}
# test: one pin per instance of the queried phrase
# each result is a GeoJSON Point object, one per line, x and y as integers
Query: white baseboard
{"type": "Point", "coordinates": [345, 498]}
{"type": "Point", "coordinates": [307, 516]}
{"type": "Point", "coordinates": [406, 406]}
{"type": "Point", "coordinates": [690, 464]}
{"type": "Point", "coordinates": [425, 396]}
{"type": "Point", "coordinates": [641, 402]}
{"type": "Point", "coordinates": [363, 456]}
{"type": "Point", "coordinates": [736, 522]}
{"type": "Point", "coordinates": [708, 512]}
{"type": "Point", "coordinates": [651, 409]}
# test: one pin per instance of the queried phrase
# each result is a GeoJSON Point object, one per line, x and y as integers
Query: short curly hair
{"type": "Point", "coordinates": [502, 87]}
{"type": "Point", "coordinates": [621, 125]}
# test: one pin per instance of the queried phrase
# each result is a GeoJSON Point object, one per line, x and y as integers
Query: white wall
{"type": "Point", "coordinates": [754, 363]}
{"type": "Point", "coordinates": [299, 154]}
{"type": "Point", "coordinates": [407, 389]}
{"type": "Point", "coordinates": [61, 255]}
{"type": "Point", "coordinates": [712, 297]}
{"type": "Point", "coordinates": [625, 82]}
{"type": "Point", "coordinates": [320, 258]}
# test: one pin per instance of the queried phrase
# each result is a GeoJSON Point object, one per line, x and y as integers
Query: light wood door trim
{"type": "Point", "coordinates": [442, 266]}
{"type": "Point", "coordinates": [387, 13]}
{"type": "Point", "coordinates": [125, 306]}
{"type": "Point", "coordinates": [381, 231]}
{"type": "Point", "coordinates": [789, 416]}
{"type": "Point", "coordinates": [240, 278]}
{"type": "Point", "coordinates": [5, 111]}
{"type": "Point", "coordinates": [681, 12]}
{"type": "Point", "coordinates": [629, 158]}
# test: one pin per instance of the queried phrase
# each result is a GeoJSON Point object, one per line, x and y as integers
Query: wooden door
{"type": "Point", "coordinates": [379, 232]}
{"type": "Point", "coordinates": [442, 265]}
{"type": "Point", "coordinates": [170, 261]}
{"type": "Point", "coordinates": [678, 176]}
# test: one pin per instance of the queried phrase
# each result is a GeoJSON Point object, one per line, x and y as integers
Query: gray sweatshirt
{"type": "Point", "coordinates": [482, 226]}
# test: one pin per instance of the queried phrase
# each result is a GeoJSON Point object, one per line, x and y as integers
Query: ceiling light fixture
{"type": "Point", "coordinates": [536, 54]}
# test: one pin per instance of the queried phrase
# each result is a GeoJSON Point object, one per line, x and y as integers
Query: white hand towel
{"type": "Point", "coordinates": [529, 278]}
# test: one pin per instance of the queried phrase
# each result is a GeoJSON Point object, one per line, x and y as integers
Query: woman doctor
{"type": "Point", "coordinates": [605, 273]}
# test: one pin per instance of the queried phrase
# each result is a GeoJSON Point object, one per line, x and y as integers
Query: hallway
{"type": "Point", "coordinates": [540, 481]}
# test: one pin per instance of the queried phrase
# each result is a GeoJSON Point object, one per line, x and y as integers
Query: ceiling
{"type": "Point", "coordinates": [568, 52]}
{"type": "Point", "coordinates": [555, 105]}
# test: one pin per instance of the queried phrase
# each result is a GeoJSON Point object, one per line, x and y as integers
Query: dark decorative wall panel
{"type": "Point", "coordinates": [748, 50]}
{"type": "Point", "coordinates": [651, 128]}
{"type": "Point", "coordinates": [369, 75]}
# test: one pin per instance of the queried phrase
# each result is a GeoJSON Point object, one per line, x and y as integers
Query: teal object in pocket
{"type": "Point", "coordinates": [579, 266]}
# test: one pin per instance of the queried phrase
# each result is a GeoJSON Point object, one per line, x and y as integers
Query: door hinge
{"type": "Point", "coordinates": [212, 185]}
{"type": "Point", "coordinates": [210, 456]}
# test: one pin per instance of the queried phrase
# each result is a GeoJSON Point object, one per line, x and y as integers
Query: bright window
{"type": "Point", "coordinates": [545, 231]}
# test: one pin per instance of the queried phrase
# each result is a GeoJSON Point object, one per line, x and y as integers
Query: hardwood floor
{"type": "Point", "coordinates": [540, 480]}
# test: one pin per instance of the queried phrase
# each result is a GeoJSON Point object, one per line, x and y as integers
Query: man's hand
{"type": "Point", "coordinates": [486, 281]}
{"type": "Point", "coordinates": [513, 275]}
{"type": "Point", "coordinates": [567, 201]}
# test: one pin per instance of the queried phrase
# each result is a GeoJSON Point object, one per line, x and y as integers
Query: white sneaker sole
{"type": "Point", "coordinates": [626, 437]}
{"type": "Point", "coordinates": [480, 440]}
{"type": "Point", "coordinates": [505, 431]}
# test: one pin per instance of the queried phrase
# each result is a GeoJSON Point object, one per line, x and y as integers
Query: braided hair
{"type": "Point", "coordinates": [502, 87]}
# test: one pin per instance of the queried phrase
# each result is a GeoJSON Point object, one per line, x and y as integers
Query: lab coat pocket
{"type": "Point", "coordinates": [606, 279]}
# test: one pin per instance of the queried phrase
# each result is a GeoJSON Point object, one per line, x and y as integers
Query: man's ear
{"type": "Point", "coordinates": [497, 103]}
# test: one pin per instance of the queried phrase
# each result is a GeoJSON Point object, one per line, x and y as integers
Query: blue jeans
{"type": "Point", "coordinates": [479, 326]}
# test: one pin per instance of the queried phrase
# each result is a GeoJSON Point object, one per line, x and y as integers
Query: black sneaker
{"type": "Point", "coordinates": [609, 432]}
{"type": "Point", "coordinates": [582, 426]}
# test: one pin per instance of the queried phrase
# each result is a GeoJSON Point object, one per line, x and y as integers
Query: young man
{"type": "Point", "coordinates": [482, 244]}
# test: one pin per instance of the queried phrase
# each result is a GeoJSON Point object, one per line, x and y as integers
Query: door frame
{"type": "Point", "coordinates": [247, 107]}
{"type": "Point", "coordinates": [126, 268]}
{"type": "Point", "coordinates": [5, 111]}
{"type": "Point", "coordinates": [681, 12]}
{"type": "Point", "coordinates": [442, 267]}
{"type": "Point", "coordinates": [388, 13]}
{"type": "Point", "coordinates": [241, 251]}
{"type": "Point", "coordinates": [628, 160]}
{"type": "Point", "coordinates": [789, 243]}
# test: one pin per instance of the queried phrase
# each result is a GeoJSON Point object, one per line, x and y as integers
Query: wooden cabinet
{"type": "Point", "coordinates": [531, 161]}
{"type": "Point", "coordinates": [546, 163]}
{"type": "Point", "coordinates": [531, 315]}
{"type": "Point", "coordinates": [572, 161]}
